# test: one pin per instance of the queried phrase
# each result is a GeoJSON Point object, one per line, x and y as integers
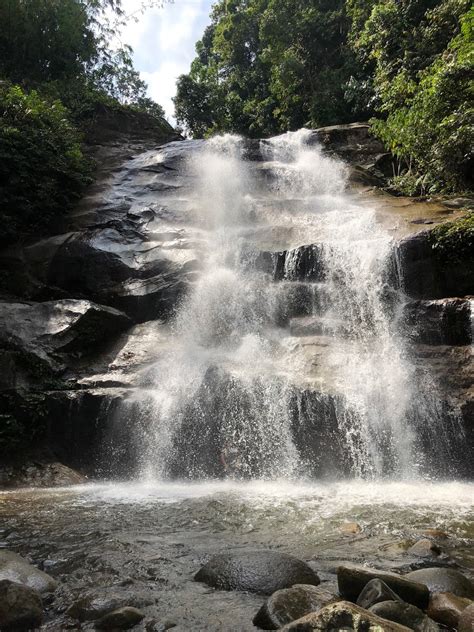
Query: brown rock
{"type": "Point", "coordinates": [425, 548]}
{"type": "Point", "coordinates": [21, 607]}
{"type": "Point", "coordinates": [447, 608]}
{"type": "Point", "coordinates": [350, 528]}
{"type": "Point", "coordinates": [343, 616]}
{"type": "Point", "coordinates": [121, 619]}
{"type": "Point", "coordinates": [466, 620]}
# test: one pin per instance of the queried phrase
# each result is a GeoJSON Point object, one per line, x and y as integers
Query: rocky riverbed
{"type": "Point", "coordinates": [112, 546]}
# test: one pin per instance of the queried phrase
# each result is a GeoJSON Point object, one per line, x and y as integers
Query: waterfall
{"type": "Point", "coordinates": [286, 358]}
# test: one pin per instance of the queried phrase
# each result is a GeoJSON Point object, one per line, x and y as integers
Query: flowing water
{"type": "Point", "coordinates": [287, 358]}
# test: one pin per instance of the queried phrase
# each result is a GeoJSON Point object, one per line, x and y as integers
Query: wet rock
{"type": "Point", "coordinates": [39, 474]}
{"type": "Point", "coordinates": [35, 333]}
{"type": "Point", "coordinates": [17, 569]}
{"type": "Point", "coordinates": [292, 603]}
{"type": "Point", "coordinates": [351, 528]}
{"type": "Point", "coordinates": [442, 322]}
{"type": "Point", "coordinates": [21, 607]}
{"type": "Point", "coordinates": [425, 548]}
{"type": "Point", "coordinates": [343, 616]}
{"type": "Point", "coordinates": [405, 614]}
{"type": "Point", "coordinates": [352, 580]}
{"type": "Point", "coordinates": [375, 592]}
{"type": "Point", "coordinates": [256, 571]}
{"type": "Point", "coordinates": [424, 276]}
{"type": "Point", "coordinates": [447, 608]}
{"type": "Point", "coordinates": [443, 580]}
{"type": "Point", "coordinates": [121, 619]}
{"type": "Point", "coordinates": [466, 620]}
{"type": "Point", "coordinates": [91, 608]}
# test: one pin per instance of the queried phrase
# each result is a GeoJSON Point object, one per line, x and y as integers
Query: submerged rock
{"type": "Point", "coordinates": [121, 619]}
{"type": "Point", "coordinates": [292, 603]}
{"type": "Point", "coordinates": [374, 592]}
{"type": "Point", "coordinates": [21, 607]}
{"type": "Point", "coordinates": [256, 571]}
{"type": "Point", "coordinates": [343, 616]}
{"type": "Point", "coordinates": [17, 569]}
{"type": "Point", "coordinates": [425, 548]}
{"type": "Point", "coordinates": [91, 608]}
{"type": "Point", "coordinates": [443, 580]}
{"type": "Point", "coordinates": [405, 614]}
{"type": "Point", "coordinates": [447, 608]}
{"type": "Point", "coordinates": [353, 579]}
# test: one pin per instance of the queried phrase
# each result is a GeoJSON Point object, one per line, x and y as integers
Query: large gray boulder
{"type": "Point", "coordinates": [443, 580]}
{"type": "Point", "coordinates": [353, 579]}
{"type": "Point", "coordinates": [21, 608]}
{"type": "Point", "coordinates": [343, 616]}
{"type": "Point", "coordinates": [16, 569]}
{"type": "Point", "coordinates": [256, 571]}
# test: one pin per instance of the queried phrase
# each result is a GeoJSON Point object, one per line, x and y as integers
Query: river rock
{"type": "Point", "coordinates": [447, 608]}
{"type": "Point", "coordinates": [292, 603]}
{"type": "Point", "coordinates": [353, 579]}
{"type": "Point", "coordinates": [91, 608]}
{"type": "Point", "coordinates": [425, 548]}
{"type": "Point", "coordinates": [21, 607]}
{"type": "Point", "coordinates": [405, 614]}
{"type": "Point", "coordinates": [466, 620]}
{"type": "Point", "coordinates": [443, 580]}
{"type": "Point", "coordinates": [374, 592]}
{"type": "Point", "coordinates": [343, 616]}
{"type": "Point", "coordinates": [256, 571]}
{"type": "Point", "coordinates": [17, 569]}
{"type": "Point", "coordinates": [121, 619]}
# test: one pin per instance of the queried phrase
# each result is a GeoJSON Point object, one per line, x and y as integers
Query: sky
{"type": "Point", "coordinates": [163, 40]}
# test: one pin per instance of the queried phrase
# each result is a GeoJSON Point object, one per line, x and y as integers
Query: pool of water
{"type": "Point", "coordinates": [143, 543]}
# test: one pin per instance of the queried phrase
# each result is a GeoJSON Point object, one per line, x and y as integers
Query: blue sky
{"type": "Point", "coordinates": [163, 40]}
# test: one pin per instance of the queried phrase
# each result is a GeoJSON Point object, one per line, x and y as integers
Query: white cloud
{"type": "Point", "coordinates": [164, 44]}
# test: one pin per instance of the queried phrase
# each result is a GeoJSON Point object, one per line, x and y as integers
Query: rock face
{"type": "Point", "coordinates": [441, 322]}
{"type": "Point", "coordinates": [256, 571]}
{"type": "Point", "coordinates": [290, 604]}
{"type": "Point", "coordinates": [21, 607]}
{"type": "Point", "coordinates": [16, 569]}
{"type": "Point", "coordinates": [423, 276]}
{"type": "Point", "coordinates": [352, 580]}
{"type": "Point", "coordinates": [343, 616]}
{"type": "Point", "coordinates": [441, 580]}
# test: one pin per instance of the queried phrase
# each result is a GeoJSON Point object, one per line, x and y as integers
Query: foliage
{"type": "Point", "coordinates": [454, 241]}
{"type": "Point", "coordinates": [60, 61]}
{"type": "Point", "coordinates": [268, 66]}
{"type": "Point", "coordinates": [42, 168]}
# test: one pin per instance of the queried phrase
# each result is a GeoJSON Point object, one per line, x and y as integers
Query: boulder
{"type": "Point", "coordinates": [343, 616]}
{"type": "Point", "coordinates": [91, 608]}
{"type": "Point", "coordinates": [425, 548]}
{"type": "Point", "coordinates": [17, 569]}
{"type": "Point", "coordinates": [466, 620]}
{"type": "Point", "coordinates": [443, 580]}
{"type": "Point", "coordinates": [39, 474]}
{"type": "Point", "coordinates": [445, 321]}
{"type": "Point", "coordinates": [21, 608]}
{"type": "Point", "coordinates": [447, 608]}
{"type": "Point", "coordinates": [405, 614]}
{"type": "Point", "coordinates": [121, 619]}
{"type": "Point", "coordinates": [353, 579]}
{"type": "Point", "coordinates": [256, 571]}
{"type": "Point", "coordinates": [292, 603]}
{"type": "Point", "coordinates": [375, 592]}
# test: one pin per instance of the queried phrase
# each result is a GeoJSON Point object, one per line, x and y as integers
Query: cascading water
{"type": "Point", "coordinates": [285, 359]}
